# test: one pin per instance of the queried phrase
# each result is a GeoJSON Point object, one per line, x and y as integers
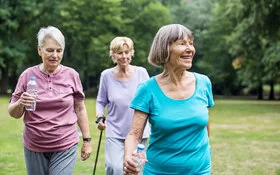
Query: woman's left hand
{"type": "Point", "coordinates": [86, 150]}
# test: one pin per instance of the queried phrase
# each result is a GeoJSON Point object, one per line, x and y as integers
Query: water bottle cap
{"type": "Point", "coordinates": [32, 78]}
{"type": "Point", "coordinates": [140, 147]}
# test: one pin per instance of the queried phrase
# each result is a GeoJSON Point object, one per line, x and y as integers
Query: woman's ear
{"type": "Point", "coordinates": [39, 51]}
{"type": "Point", "coordinates": [113, 58]}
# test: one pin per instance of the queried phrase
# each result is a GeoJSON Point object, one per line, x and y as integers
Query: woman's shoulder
{"type": "Point", "coordinates": [140, 68]}
{"type": "Point", "coordinates": [69, 70]}
{"type": "Point", "coordinates": [106, 71]}
{"type": "Point", "coordinates": [148, 83]}
{"type": "Point", "coordinates": [30, 70]}
{"type": "Point", "coordinates": [200, 76]}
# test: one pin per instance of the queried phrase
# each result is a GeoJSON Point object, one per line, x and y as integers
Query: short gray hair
{"type": "Point", "coordinates": [160, 53]}
{"type": "Point", "coordinates": [51, 32]}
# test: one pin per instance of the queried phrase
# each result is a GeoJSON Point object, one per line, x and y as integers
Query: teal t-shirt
{"type": "Point", "coordinates": [179, 141]}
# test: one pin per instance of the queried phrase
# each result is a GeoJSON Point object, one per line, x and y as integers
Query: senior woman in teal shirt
{"type": "Point", "coordinates": [176, 104]}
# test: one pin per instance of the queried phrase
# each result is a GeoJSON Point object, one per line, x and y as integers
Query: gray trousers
{"type": "Point", "coordinates": [51, 163]}
{"type": "Point", "coordinates": [114, 152]}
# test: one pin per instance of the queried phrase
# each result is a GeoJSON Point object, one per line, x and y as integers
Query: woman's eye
{"type": "Point", "coordinates": [49, 51]}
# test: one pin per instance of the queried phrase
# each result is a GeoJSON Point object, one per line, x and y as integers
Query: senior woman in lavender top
{"type": "Point", "coordinates": [116, 89]}
{"type": "Point", "coordinates": [50, 134]}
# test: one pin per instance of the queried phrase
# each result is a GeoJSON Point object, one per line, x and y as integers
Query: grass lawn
{"type": "Point", "coordinates": [245, 139]}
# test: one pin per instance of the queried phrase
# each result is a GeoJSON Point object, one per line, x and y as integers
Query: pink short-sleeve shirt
{"type": "Point", "coordinates": [52, 127]}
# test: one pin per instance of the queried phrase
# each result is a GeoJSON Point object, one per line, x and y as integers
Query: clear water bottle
{"type": "Point", "coordinates": [32, 89]}
{"type": "Point", "coordinates": [140, 158]}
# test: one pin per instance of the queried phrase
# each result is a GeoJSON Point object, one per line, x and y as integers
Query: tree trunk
{"type": "Point", "coordinates": [271, 93]}
{"type": "Point", "coordinates": [260, 92]}
{"type": "Point", "coordinates": [4, 81]}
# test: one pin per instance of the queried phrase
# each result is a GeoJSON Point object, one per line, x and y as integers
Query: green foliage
{"type": "Point", "coordinates": [237, 42]}
{"type": "Point", "coordinates": [89, 26]}
{"type": "Point", "coordinates": [88, 45]}
{"type": "Point", "coordinates": [271, 61]}
{"type": "Point", "coordinates": [251, 39]}
{"type": "Point", "coordinates": [146, 17]}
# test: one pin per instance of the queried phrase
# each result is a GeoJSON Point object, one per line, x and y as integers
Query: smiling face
{"type": "Point", "coordinates": [181, 53]}
{"type": "Point", "coordinates": [51, 53]}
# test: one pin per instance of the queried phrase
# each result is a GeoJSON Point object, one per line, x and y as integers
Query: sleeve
{"type": "Point", "coordinates": [20, 87]}
{"type": "Point", "coordinates": [209, 93]}
{"type": "Point", "coordinates": [78, 89]}
{"type": "Point", "coordinates": [141, 99]}
{"type": "Point", "coordinates": [102, 96]}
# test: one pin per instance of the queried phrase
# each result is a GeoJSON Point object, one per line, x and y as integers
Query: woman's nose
{"type": "Point", "coordinates": [55, 54]}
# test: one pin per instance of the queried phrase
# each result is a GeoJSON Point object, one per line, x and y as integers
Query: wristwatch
{"type": "Point", "coordinates": [87, 139]}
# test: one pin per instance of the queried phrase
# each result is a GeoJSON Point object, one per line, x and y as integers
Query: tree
{"type": "Point", "coordinates": [252, 37]}
{"type": "Point", "coordinates": [19, 24]}
{"type": "Point", "coordinates": [89, 27]}
{"type": "Point", "coordinates": [12, 43]}
{"type": "Point", "coordinates": [145, 18]}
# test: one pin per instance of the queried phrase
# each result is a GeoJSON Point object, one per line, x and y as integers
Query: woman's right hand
{"type": "Point", "coordinates": [26, 99]}
{"type": "Point", "coordinates": [101, 126]}
{"type": "Point", "coordinates": [129, 166]}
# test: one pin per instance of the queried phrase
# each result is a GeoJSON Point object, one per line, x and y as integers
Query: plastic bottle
{"type": "Point", "coordinates": [140, 158]}
{"type": "Point", "coordinates": [32, 89]}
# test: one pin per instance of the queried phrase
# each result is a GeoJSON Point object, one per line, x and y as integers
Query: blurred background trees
{"type": "Point", "coordinates": [237, 42]}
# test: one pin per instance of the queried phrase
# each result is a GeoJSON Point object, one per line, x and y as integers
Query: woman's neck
{"type": "Point", "coordinates": [49, 70]}
{"type": "Point", "coordinates": [123, 70]}
{"type": "Point", "coordinates": [175, 76]}
{"type": "Point", "coordinates": [123, 73]}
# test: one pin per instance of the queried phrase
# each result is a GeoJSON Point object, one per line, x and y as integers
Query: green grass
{"type": "Point", "coordinates": [245, 139]}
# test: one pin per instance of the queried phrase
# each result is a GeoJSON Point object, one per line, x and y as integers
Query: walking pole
{"type": "Point", "coordinates": [100, 137]}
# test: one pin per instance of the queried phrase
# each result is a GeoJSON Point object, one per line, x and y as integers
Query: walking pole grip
{"type": "Point", "coordinates": [100, 137]}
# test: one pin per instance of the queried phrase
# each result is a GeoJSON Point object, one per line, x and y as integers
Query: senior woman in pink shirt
{"type": "Point", "coordinates": [50, 134]}
{"type": "Point", "coordinates": [117, 87]}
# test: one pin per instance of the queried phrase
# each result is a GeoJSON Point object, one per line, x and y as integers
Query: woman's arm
{"type": "Point", "coordinates": [80, 110]}
{"type": "Point", "coordinates": [133, 138]}
{"type": "Point", "coordinates": [16, 109]}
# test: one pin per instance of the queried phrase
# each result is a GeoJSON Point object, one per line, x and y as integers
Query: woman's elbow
{"type": "Point", "coordinates": [14, 114]}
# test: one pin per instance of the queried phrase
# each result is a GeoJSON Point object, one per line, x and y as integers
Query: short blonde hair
{"type": "Point", "coordinates": [166, 35]}
{"type": "Point", "coordinates": [118, 43]}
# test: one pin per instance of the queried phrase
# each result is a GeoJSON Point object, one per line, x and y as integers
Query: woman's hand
{"type": "Point", "coordinates": [129, 166]}
{"type": "Point", "coordinates": [26, 99]}
{"type": "Point", "coordinates": [86, 150]}
{"type": "Point", "coordinates": [101, 126]}
{"type": "Point", "coordinates": [101, 122]}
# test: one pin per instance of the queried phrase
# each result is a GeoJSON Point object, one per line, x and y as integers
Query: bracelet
{"type": "Point", "coordinates": [87, 139]}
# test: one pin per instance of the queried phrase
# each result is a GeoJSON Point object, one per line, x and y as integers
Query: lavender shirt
{"type": "Point", "coordinates": [117, 94]}
{"type": "Point", "coordinates": [52, 127]}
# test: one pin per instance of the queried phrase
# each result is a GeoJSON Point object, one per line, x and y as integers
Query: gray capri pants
{"type": "Point", "coordinates": [51, 163]}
